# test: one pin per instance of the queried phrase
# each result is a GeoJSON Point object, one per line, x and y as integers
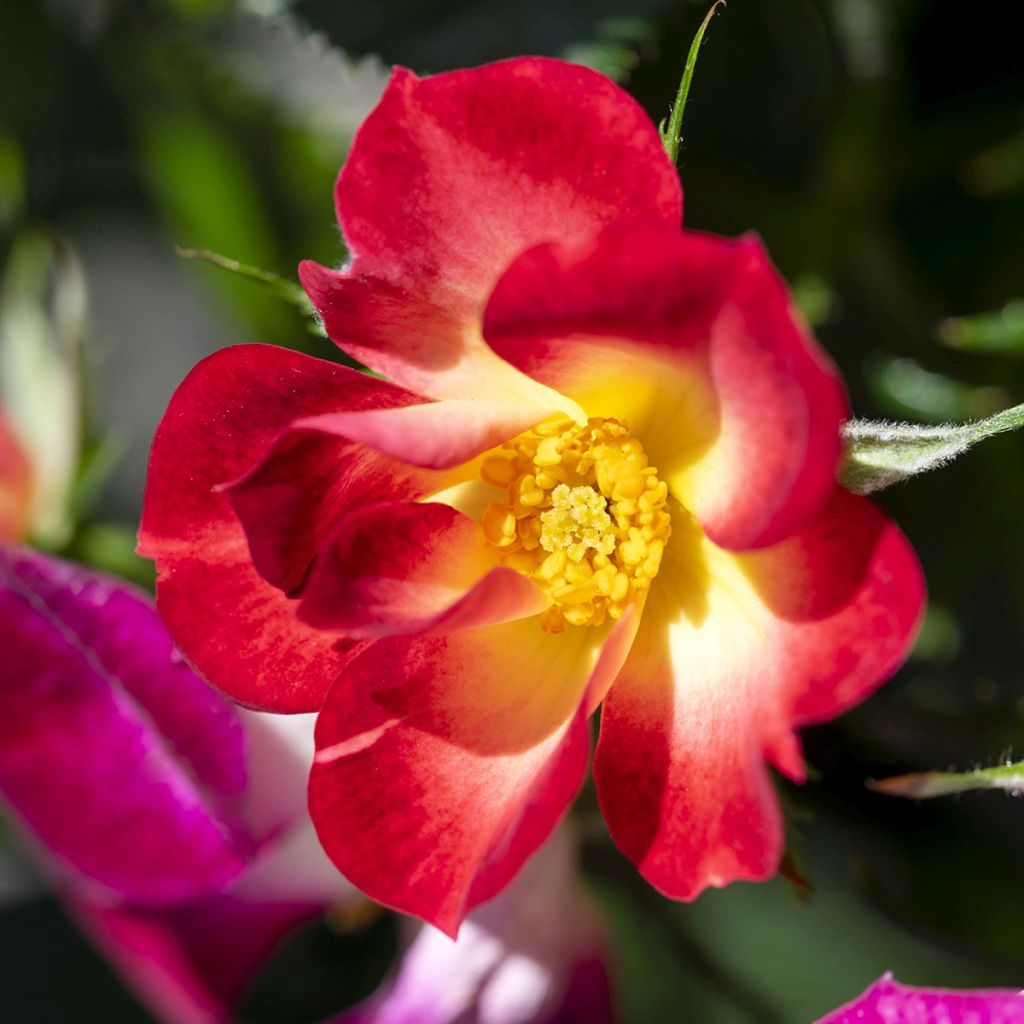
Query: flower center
{"type": "Point", "coordinates": [583, 516]}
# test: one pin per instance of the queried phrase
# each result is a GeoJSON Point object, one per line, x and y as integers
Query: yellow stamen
{"type": "Point", "coordinates": [583, 516]}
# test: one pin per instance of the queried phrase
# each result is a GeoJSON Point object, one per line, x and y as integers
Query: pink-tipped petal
{"type": "Point", "coordinates": [409, 567]}
{"type": "Point", "coordinates": [693, 342]}
{"type": "Point", "coordinates": [322, 466]}
{"type": "Point", "coordinates": [734, 652]}
{"type": "Point", "coordinates": [291, 502]}
{"type": "Point", "coordinates": [448, 180]}
{"type": "Point", "coordinates": [238, 629]}
{"type": "Point", "coordinates": [433, 435]}
{"type": "Point", "coordinates": [443, 762]}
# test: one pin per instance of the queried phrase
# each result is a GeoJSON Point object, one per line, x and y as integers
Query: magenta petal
{"type": "Point", "coordinates": [122, 631]}
{"type": "Point", "coordinates": [114, 753]}
{"type": "Point", "coordinates": [588, 995]}
{"type": "Point", "coordinates": [190, 964]}
{"type": "Point", "coordinates": [151, 959]}
{"type": "Point", "coordinates": [889, 1002]}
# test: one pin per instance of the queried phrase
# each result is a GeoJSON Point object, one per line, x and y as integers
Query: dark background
{"type": "Point", "coordinates": [876, 145]}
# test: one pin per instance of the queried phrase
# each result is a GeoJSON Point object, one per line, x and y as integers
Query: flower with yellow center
{"type": "Point", "coordinates": [324, 540]}
{"type": "Point", "coordinates": [583, 516]}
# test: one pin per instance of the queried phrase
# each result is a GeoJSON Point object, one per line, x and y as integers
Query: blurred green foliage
{"type": "Point", "coordinates": [876, 145]}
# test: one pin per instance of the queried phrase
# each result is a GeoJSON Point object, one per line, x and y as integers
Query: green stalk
{"type": "Point", "coordinates": [672, 135]}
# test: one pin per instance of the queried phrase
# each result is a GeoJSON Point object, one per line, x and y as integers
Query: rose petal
{"type": "Point", "coordinates": [693, 342]}
{"type": "Point", "coordinates": [448, 180]}
{"type": "Point", "coordinates": [322, 466]}
{"type": "Point", "coordinates": [443, 762]}
{"type": "Point", "coordinates": [734, 652]}
{"type": "Point", "coordinates": [408, 567]}
{"type": "Point", "coordinates": [124, 763]}
{"type": "Point", "coordinates": [434, 435]}
{"type": "Point", "coordinates": [292, 501]}
{"type": "Point", "coordinates": [240, 631]}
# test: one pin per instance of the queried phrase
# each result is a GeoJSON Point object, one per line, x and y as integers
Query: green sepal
{"type": "Point", "coordinates": [1008, 777]}
{"type": "Point", "coordinates": [880, 454]}
{"type": "Point", "coordinates": [671, 132]}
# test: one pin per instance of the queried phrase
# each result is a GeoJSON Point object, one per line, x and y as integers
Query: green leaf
{"type": "Point", "coordinates": [924, 785]}
{"type": "Point", "coordinates": [999, 332]}
{"type": "Point", "coordinates": [879, 454]}
{"type": "Point", "coordinates": [670, 135]}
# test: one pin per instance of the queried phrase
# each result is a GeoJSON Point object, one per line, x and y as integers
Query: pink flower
{"type": "Point", "coordinates": [175, 826]}
{"type": "Point", "coordinates": [888, 1002]}
{"type": "Point", "coordinates": [602, 471]}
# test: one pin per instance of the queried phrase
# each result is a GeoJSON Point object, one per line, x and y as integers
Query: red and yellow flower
{"type": "Point", "coordinates": [601, 472]}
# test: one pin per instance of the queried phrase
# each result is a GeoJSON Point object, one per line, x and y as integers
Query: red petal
{"type": "Point", "coordinates": [692, 341]}
{"type": "Point", "coordinates": [449, 179]}
{"type": "Point", "coordinates": [847, 595]}
{"type": "Point", "coordinates": [433, 435]}
{"type": "Point", "coordinates": [324, 465]}
{"type": "Point", "coordinates": [733, 653]}
{"type": "Point", "coordinates": [239, 630]}
{"type": "Point", "coordinates": [444, 762]}
{"type": "Point", "coordinates": [408, 567]}
{"type": "Point", "coordinates": [292, 501]}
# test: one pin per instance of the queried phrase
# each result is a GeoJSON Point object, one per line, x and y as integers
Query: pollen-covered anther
{"type": "Point", "coordinates": [583, 515]}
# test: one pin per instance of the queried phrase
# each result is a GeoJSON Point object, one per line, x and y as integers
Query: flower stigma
{"type": "Point", "coordinates": [583, 516]}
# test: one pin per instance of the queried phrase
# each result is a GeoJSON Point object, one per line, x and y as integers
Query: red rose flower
{"type": "Point", "coordinates": [602, 472]}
